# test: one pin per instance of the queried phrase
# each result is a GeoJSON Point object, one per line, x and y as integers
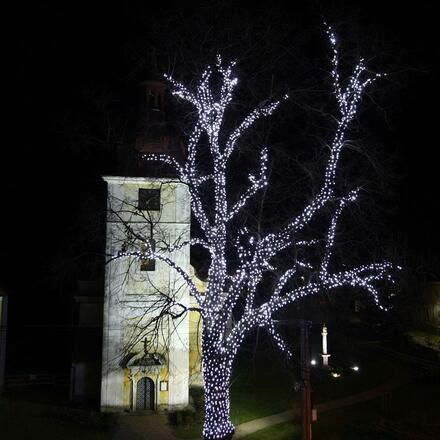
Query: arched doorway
{"type": "Point", "coordinates": [145, 394]}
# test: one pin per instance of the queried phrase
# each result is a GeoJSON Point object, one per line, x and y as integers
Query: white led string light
{"type": "Point", "coordinates": [220, 345]}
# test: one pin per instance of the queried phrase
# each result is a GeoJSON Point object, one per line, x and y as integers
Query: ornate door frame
{"type": "Point", "coordinates": [136, 374]}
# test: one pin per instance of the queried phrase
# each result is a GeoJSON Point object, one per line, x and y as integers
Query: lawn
{"type": "Point", "coordinates": [426, 339]}
{"type": "Point", "coordinates": [354, 423]}
{"type": "Point", "coordinates": [264, 385]}
{"type": "Point", "coordinates": [374, 370]}
{"type": "Point", "coordinates": [415, 407]}
{"type": "Point", "coordinates": [412, 410]}
{"type": "Point", "coordinates": [28, 420]}
{"type": "Point", "coordinates": [260, 387]}
{"type": "Point", "coordinates": [412, 413]}
{"type": "Point", "coordinates": [38, 413]}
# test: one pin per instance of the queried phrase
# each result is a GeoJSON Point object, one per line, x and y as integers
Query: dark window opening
{"type": "Point", "coordinates": [149, 199]}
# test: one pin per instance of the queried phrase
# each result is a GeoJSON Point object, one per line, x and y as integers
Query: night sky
{"type": "Point", "coordinates": [55, 52]}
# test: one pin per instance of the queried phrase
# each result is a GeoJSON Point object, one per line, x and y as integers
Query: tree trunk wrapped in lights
{"type": "Point", "coordinates": [217, 369]}
{"type": "Point", "coordinates": [255, 253]}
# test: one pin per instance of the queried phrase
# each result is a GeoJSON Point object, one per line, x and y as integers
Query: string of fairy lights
{"type": "Point", "coordinates": [255, 254]}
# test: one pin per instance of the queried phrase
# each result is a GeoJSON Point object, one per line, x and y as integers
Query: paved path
{"type": "Point", "coordinates": [142, 427]}
{"type": "Point", "coordinates": [256, 425]}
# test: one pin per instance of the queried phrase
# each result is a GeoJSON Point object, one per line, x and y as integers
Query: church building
{"type": "Point", "coordinates": [148, 367]}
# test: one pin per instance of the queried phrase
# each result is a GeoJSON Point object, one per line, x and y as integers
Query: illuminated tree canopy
{"type": "Point", "coordinates": [230, 287]}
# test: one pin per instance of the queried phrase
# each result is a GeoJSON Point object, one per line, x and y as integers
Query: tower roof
{"type": "Point", "coordinates": [153, 73]}
{"type": "Point", "coordinates": [155, 133]}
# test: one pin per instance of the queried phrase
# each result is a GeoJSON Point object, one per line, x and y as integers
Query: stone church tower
{"type": "Point", "coordinates": [142, 369]}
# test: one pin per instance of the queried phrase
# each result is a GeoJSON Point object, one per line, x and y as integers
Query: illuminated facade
{"type": "Point", "coordinates": [143, 369]}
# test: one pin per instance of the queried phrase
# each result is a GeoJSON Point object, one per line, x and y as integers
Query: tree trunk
{"type": "Point", "coordinates": [216, 375]}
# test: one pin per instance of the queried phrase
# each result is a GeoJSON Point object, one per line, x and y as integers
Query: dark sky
{"type": "Point", "coordinates": [55, 51]}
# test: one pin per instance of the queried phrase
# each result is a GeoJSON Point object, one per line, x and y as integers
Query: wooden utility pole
{"type": "Point", "coordinates": [306, 400]}
{"type": "Point", "coordinates": [3, 323]}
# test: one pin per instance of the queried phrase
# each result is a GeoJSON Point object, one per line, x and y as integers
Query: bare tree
{"type": "Point", "coordinates": [254, 274]}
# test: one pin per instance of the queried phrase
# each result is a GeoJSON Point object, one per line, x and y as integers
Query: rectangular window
{"type": "Point", "coordinates": [148, 264]}
{"type": "Point", "coordinates": [149, 199]}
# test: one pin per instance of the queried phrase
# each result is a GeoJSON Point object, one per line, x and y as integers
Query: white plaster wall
{"type": "Point", "coordinates": [128, 296]}
{"type": "Point", "coordinates": [179, 341]}
{"type": "Point", "coordinates": [112, 374]}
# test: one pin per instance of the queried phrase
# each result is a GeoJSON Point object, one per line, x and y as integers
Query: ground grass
{"type": "Point", "coordinates": [194, 429]}
{"type": "Point", "coordinates": [374, 370]}
{"type": "Point", "coordinates": [258, 389]}
{"type": "Point", "coordinates": [357, 422]}
{"type": "Point", "coordinates": [412, 411]}
{"type": "Point", "coordinates": [354, 423]}
{"type": "Point", "coordinates": [415, 407]}
{"type": "Point", "coordinates": [426, 339]}
{"type": "Point", "coordinates": [28, 420]}
{"type": "Point", "coordinates": [261, 386]}
{"type": "Point", "coordinates": [264, 385]}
